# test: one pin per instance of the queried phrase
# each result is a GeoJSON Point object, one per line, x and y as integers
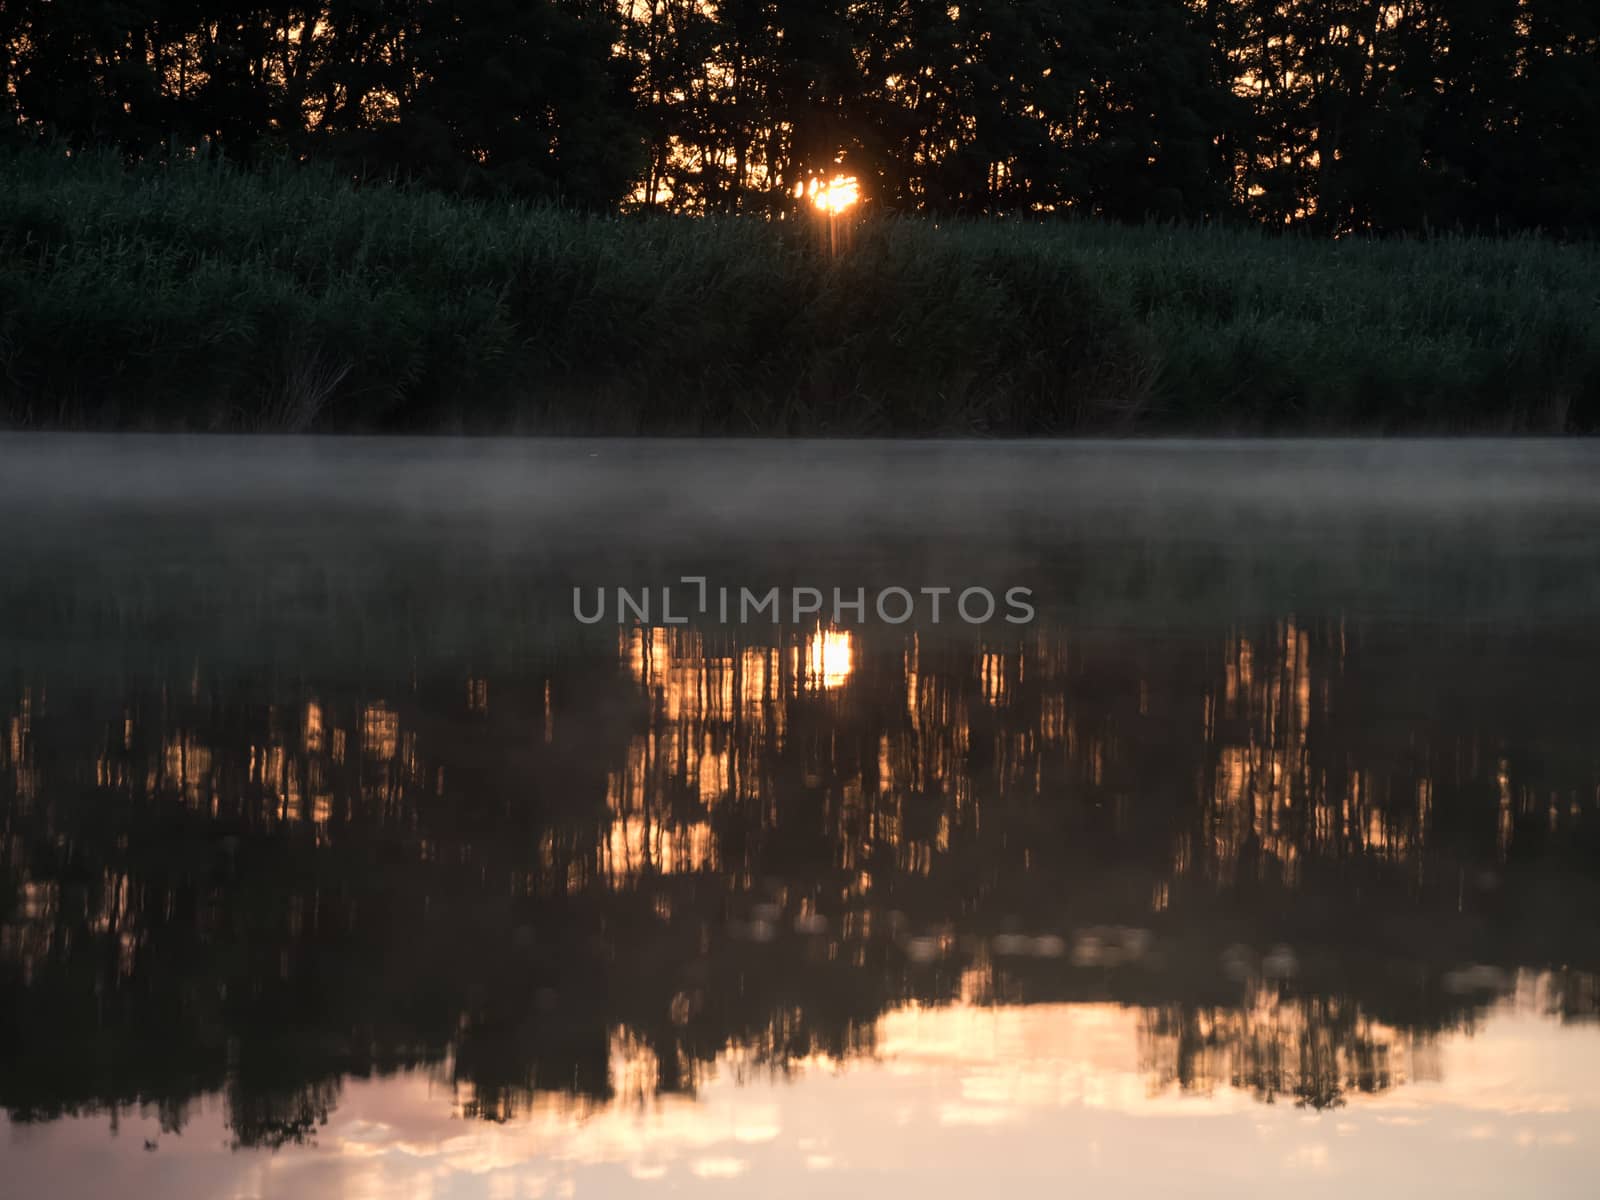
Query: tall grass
{"type": "Point", "coordinates": [201, 297]}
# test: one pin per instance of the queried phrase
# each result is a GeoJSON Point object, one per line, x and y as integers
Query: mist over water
{"type": "Point", "coordinates": [332, 843]}
{"type": "Point", "coordinates": [895, 483]}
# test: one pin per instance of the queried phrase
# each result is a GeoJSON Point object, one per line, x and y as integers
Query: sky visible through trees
{"type": "Point", "coordinates": [1340, 116]}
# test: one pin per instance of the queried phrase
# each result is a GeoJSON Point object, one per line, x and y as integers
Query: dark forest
{"type": "Point", "coordinates": [1337, 116]}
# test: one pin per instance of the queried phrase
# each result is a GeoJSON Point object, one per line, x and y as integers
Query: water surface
{"type": "Point", "coordinates": [339, 859]}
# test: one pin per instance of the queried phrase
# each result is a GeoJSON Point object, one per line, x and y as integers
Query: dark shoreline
{"type": "Point", "coordinates": [196, 297]}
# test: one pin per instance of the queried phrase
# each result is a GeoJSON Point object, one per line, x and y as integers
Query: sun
{"type": "Point", "coordinates": [831, 195]}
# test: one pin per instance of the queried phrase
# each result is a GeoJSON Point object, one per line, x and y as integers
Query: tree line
{"type": "Point", "coordinates": [1335, 115]}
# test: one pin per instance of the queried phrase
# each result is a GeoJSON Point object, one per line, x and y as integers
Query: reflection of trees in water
{"type": "Point", "coordinates": [593, 874]}
{"type": "Point", "coordinates": [273, 1115]}
{"type": "Point", "coordinates": [1315, 1049]}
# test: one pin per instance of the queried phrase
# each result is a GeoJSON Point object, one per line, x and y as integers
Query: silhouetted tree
{"type": "Point", "coordinates": [1337, 115]}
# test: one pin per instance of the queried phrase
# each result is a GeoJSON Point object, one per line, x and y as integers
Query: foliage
{"type": "Point", "coordinates": [197, 295]}
{"type": "Point", "coordinates": [1338, 115]}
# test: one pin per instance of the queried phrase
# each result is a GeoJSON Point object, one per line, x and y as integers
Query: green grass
{"type": "Point", "coordinates": [196, 296]}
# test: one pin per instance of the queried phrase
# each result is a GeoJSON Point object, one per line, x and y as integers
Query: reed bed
{"type": "Point", "coordinates": [192, 295]}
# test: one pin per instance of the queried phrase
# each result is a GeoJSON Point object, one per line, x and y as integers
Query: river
{"type": "Point", "coordinates": [452, 818]}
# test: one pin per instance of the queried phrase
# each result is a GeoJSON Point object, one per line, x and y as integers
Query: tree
{"type": "Point", "coordinates": [1340, 116]}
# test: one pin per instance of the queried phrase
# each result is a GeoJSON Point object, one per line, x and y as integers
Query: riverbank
{"type": "Point", "coordinates": [198, 297]}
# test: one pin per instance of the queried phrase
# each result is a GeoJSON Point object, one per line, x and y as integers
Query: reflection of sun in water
{"type": "Point", "coordinates": [830, 195]}
{"type": "Point", "coordinates": [829, 659]}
